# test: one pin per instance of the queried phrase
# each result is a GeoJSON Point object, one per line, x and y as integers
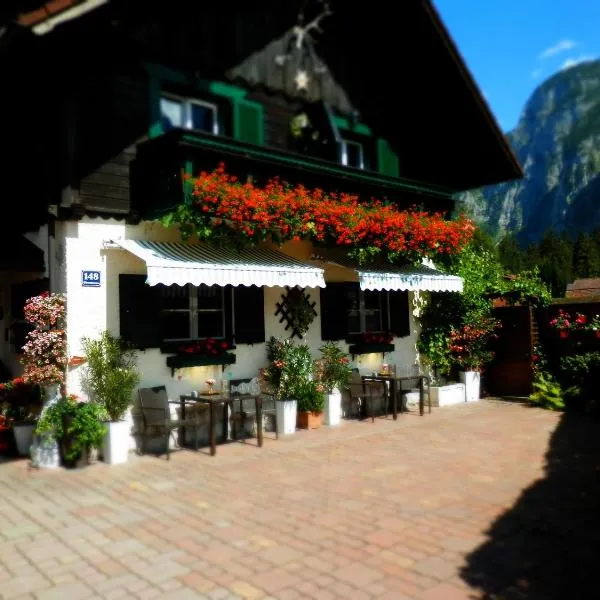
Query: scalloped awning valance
{"type": "Point", "coordinates": [180, 263]}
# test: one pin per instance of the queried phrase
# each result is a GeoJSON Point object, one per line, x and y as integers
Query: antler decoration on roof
{"type": "Point", "coordinates": [299, 40]}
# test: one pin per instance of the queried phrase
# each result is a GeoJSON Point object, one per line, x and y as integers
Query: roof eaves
{"type": "Point", "coordinates": [469, 80]}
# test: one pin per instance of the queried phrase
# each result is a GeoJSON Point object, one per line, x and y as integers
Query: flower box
{"type": "Point", "coordinates": [368, 348]}
{"type": "Point", "coordinates": [181, 361]}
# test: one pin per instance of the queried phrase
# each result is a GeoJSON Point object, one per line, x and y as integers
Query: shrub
{"type": "Point", "coordinates": [547, 392]}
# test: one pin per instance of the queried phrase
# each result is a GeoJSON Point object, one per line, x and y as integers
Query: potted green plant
{"type": "Point", "coordinates": [110, 379]}
{"type": "Point", "coordinates": [24, 403]}
{"type": "Point", "coordinates": [333, 372]}
{"type": "Point", "coordinates": [76, 426]}
{"type": "Point", "coordinates": [311, 401]}
{"type": "Point", "coordinates": [469, 346]}
{"type": "Point", "coordinates": [289, 369]}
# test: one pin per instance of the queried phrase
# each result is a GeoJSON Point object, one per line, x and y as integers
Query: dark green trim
{"type": "Point", "coordinates": [181, 361]}
{"type": "Point", "coordinates": [227, 90]}
{"type": "Point", "coordinates": [315, 165]}
{"type": "Point", "coordinates": [370, 348]}
{"type": "Point", "coordinates": [387, 159]}
{"type": "Point", "coordinates": [238, 134]}
{"type": "Point", "coordinates": [344, 123]}
{"type": "Point", "coordinates": [159, 73]}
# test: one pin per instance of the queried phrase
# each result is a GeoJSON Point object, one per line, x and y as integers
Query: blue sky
{"type": "Point", "coordinates": [511, 46]}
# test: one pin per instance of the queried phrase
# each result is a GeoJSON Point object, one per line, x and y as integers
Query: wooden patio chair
{"type": "Point", "coordinates": [157, 421]}
{"type": "Point", "coordinates": [366, 393]}
{"type": "Point", "coordinates": [242, 391]}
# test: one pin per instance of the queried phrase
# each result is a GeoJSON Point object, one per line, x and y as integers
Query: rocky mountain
{"type": "Point", "coordinates": [557, 140]}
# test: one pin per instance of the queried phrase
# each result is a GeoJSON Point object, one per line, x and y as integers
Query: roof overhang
{"type": "Point", "coordinates": [178, 263]}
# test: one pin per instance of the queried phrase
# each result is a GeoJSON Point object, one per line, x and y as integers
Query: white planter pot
{"type": "Point", "coordinates": [286, 416]}
{"type": "Point", "coordinates": [332, 415]}
{"type": "Point", "coordinates": [44, 453]}
{"type": "Point", "coordinates": [23, 438]}
{"type": "Point", "coordinates": [446, 395]}
{"type": "Point", "coordinates": [115, 448]}
{"type": "Point", "coordinates": [471, 379]}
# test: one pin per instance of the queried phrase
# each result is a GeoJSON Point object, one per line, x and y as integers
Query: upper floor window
{"type": "Point", "coordinates": [352, 154]}
{"type": "Point", "coordinates": [365, 309]}
{"type": "Point", "coordinates": [188, 113]}
{"type": "Point", "coordinates": [190, 312]}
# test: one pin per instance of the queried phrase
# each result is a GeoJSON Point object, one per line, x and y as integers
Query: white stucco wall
{"type": "Point", "coordinates": [90, 310]}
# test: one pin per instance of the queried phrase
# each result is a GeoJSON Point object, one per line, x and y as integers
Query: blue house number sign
{"type": "Point", "coordinates": [90, 278]}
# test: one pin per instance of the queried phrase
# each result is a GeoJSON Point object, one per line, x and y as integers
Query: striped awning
{"type": "Point", "coordinates": [179, 263]}
{"type": "Point", "coordinates": [422, 278]}
{"type": "Point", "coordinates": [391, 277]}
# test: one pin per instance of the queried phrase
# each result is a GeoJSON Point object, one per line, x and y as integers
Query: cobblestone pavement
{"type": "Point", "coordinates": [386, 510]}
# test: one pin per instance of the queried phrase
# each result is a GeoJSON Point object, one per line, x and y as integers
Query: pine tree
{"type": "Point", "coordinates": [510, 254]}
{"type": "Point", "coordinates": [556, 262]}
{"type": "Point", "coordinates": [586, 257]}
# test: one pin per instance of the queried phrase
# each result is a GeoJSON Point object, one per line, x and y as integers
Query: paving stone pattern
{"type": "Point", "coordinates": [385, 510]}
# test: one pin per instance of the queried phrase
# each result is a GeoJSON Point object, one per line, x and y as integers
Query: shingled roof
{"type": "Point", "coordinates": [584, 287]}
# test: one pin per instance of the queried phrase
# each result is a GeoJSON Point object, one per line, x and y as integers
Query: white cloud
{"type": "Point", "coordinates": [571, 62]}
{"type": "Point", "coordinates": [536, 73]}
{"type": "Point", "coordinates": [560, 46]}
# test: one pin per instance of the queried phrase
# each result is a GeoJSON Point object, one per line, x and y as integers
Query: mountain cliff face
{"type": "Point", "coordinates": [557, 140]}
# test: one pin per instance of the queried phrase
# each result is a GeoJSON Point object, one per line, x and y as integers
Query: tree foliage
{"type": "Point", "coordinates": [558, 258]}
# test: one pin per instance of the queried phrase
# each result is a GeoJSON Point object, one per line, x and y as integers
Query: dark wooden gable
{"type": "Point", "coordinates": [276, 68]}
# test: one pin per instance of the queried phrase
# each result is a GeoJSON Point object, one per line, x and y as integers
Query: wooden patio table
{"type": "Point", "coordinates": [214, 400]}
{"type": "Point", "coordinates": [395, 382]}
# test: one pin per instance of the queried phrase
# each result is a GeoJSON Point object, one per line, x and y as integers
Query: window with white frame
{"type": "Point", "coordinates": [365, 309]}
{"type": "Point", "coordinates": [352, 154]}
{"type": "Point", "coordinates": [188, 113]}
{"type": "Point", "coordinates": [190, 312]}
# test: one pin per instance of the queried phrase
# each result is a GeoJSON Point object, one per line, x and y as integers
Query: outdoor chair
{"type": "Point", "coordinates": [366, 393]}
{"type": "Point", "coordinates": [242, 391]}
{"type": "Point", "coordinates": [157, 421]}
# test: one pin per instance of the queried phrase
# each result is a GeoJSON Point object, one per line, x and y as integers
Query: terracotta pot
{"type": "Point", "coordinates": [597, 334]}
{"type": "Point", "coordinates": [309, 420]}
{"type": "Point", "coordinates": [564, 334]}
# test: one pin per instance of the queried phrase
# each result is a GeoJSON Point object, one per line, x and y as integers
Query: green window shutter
{"type": "Point", "coordinates": [334, 315]}
{"type": "Point", "coordinates": [399, 323]}
{"type": "Point", "coordinates": [387, 161]}
{"type": "Point", "coordinates": [139, 312]}
{"type": "Point", "coordinates": [249, 310]}
{"type": "Point", "coordinates": [248, 122]}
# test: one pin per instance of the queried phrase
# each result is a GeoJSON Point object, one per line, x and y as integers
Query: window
{"type": "Point", "coordinates": [347, 311]}
{"type": "Point", "coordinates": [188, 113]}
{"type": "Point", "coordinates": [352, 154]}
{"type": "Point", "coordinates": [365, 310]}
{"type": "Point", "coordinates": [190, 312]}
{"type": "Point", "coordinates": [151, 315]}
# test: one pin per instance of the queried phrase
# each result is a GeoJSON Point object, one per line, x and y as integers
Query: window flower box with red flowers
{"type": "Point", "coordinates": [372, 341]}
{"type": "Point", "coordinates": [220, 208]}
{"type": "Point", "coordinates": [198, 353]}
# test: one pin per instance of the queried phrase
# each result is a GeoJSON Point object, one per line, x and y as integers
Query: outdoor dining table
{"type": "Point", "coordinates": [213, 401]}
{"type": "Point", "coordinates": [395, 387]}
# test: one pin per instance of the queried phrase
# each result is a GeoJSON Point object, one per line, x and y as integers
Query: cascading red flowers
{"type": "Point", "coordinates": [221, 207]}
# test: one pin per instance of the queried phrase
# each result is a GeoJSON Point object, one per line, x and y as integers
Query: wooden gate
{"type": "Point", "coordinates": [510, 372]}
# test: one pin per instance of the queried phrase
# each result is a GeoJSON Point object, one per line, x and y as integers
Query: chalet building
{"type": "Point", "coordinates": [109, 104]}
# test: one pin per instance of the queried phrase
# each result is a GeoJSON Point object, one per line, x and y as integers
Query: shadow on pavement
{"type": "Point", "coordinates": [547, 546]}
